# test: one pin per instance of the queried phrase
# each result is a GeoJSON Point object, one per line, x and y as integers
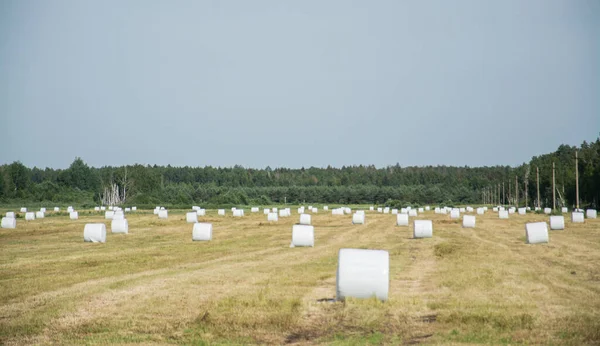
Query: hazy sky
{"type": "Point", "coordinates": [296, 83]}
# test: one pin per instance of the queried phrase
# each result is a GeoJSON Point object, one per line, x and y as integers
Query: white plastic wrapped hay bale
{"type": "Point", "coordinates": [564, 210]}
{"type": "Point", "coordinates": [577, 217]}
{"type": "Point", "coordinates": [402, 220]}
{"type": "Point", "coordinates": [528, 208]}
{"type": "Point", "coordinates": [536, 232]}
{"type": "Point", "coordinates": [195, 207]}
{"type": "Point", "coordinates": [254, 210]}
{"type": "Point", "coordinates": [238, 213]}
{"type": "Point", "coordinates": [221, 212]}
{"type": "Point", "coordinates": [495, 209]}
{"type": "Point", "coordinates": [272, 217]}
{"type": "Point", "coordinates": [360, 212]}
{"type": "Point", "coordinates": [436, 210]}
{"type": "Point", "coordinates": [349, 211]}
{"type": "Point", "coordinates": [127, 210]}
{"type": "Point", "coordinates": [9, 222]}
{"type": "Point", "coordinates": [403, 211]}
{"type": "Point", "coordinates": [591, 213]}
{"type": "Point", "coordinates": [119, 226]}
{"type": "Point", "coordinates": [363, 274]}
{"type": "Point", "coordinates": [96, 208]}
{"type": "Point", "coordinates": [557, 222]}
{"type": "Point", "coordinates": [305, 219]}
{"type": "Point", "coordinates": [191, 217]}
{"type": "Point", "coordinates": [110, 207]}
{"type": "Point", "coordinates": [469, 209]}
{"type": "Point", "coordinates": [108, 215]}
{"type": "Point", "coordinates": [427, 208]}
{"type": "Point", "coordinates": [202, 232]}
{"type": "Point", "coordinates": [315, 210]}
{"type": "Point", "coordinates": [394, 211]}
{"type": "Point", "coordinates": [233, 209]}
{"type": "Point", "coordinates": [485, 208]}
{"type": "Point", "coordinates": [408, 208]}
{"type": "Point", "coordinates": [73, 215]}
{"type": "Point", "coordinates": [326, 208]}
{"type": "Point", "coordinates": [547, 211]}
{"type": "Point", "coordinates": [503, 214]}
{"type": "Point", "coordinates": [537, 209]}
{"type": "Point", "coordinates": [358, 219]}
{"type": "Point", "coordinates": [386, 210]}
{"type": "Point", "coordinates": [455, 214]}
{"type": "Point", "coordinates": [94, 232]}
{"type": "Point", "coordinates": [337, 211]}
{"type": "Point", "coordinates": [275, 210]}
{"type": "Point", "coordinates": [380, 210]}
{"type": "Point", "coordinates": [413, 213]}
{"type": "Point", "coordinates": [201, 212]}
{"type": "Point", "coordinates": [444, 211]}
{"type": "Point", "coordinates": [422, 229]}
{"type": "Point", "coordinates": [421, 210]}
{"type": "Point", "coordinates": [43, 210]}
{"type": "Point", "coordinates": [156, 211]}
{"type": "Point", "coordinates": [480, 211]}
{"type": "Point", "coordinates": [468, 221]}
{"type": "Point", "coordinates": [462, 210]}
{"type": "Point", "coordinates": [102, 208]}
{"type": "Point", "coordinates": [56, 209]}
{"type": "Point", "coordinates": [163, 214]}
{"type": "Point", "coordinates": [522, 211]}
{"type": "Point", "coordinates": [372, 208]}
{"type": "Point", "coordinates": [10, 214]}
{"type": "Point", "coordinates": [29, 216]}
{"type": "Point", "coordinates": [303, 235]}
{"type": "Point", "coordinates": [23, 210]}
{"type": "Point", "coordinates": [266, 211]}
{"type": "Point", "coordinates": [133, 208]}
{"type": "Point", "coordinates": [70, 209]}
{"type": "Point", "coordinates": [301, 210]}
{"type": "Point", "coordinates": [511, 210]}
{"type": "Point", "coordinates": [310, 207]}
{"type": "Point", "coordinates": [39, 214]}
{"type": "Point", "coordinates": [502, 208]}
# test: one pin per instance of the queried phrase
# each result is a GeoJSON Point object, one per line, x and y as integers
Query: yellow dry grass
{"type": "Point", "coordinates": [156, 286]}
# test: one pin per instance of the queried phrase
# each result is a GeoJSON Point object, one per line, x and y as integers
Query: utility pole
{"type": "Point", "coordinates": [553, 189]}
{"type": "Point", "coordinates": [526, 188]}
{"type": "Point", "coordinates": [503, 195]}
{"type": "Point", "coordinates": [577, 179]}
{"type": "Point", "coordinates": [516, 191]}
{"type": "Point", "coordinates": [537, 169]}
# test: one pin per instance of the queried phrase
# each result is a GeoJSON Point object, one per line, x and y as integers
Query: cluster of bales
{"type": "Point", "coordinates": [361, 273]}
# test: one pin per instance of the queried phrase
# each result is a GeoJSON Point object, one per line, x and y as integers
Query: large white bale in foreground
{"type": "Point", "coordinates": [468, 221]}
{"type": "Point", "coordinates": [29, 216]}
{"type": "Point", "coordinates": [119, 226]}
{"type": "Point", "coordinates": [73, 215]}
{"type": "Point", "coordinates": [221, 212]}
{"type": "Point", "coordinates": [39, 214]}
{"type": "Point", "coordinates": [577, 217]}
{"type": "Point", "coordinates": [455, 214]}
{"type": "Point", "coordinates": [304, 219]}
{"type": "Point", "coordinates": [254, 210]}
{"type": "Point", "coordinates": [303, 235]}
{"type": "Point", "coordinates": [591, 213]}
{"type": "Point", "coordinates": [536, 232]}
{"type": "Point", "coordinates": [202, 232]}
{"type": "Point", "coordinates": [23, 210]}
{"type": "Point", "coordinates": [10, 214]}
{"type": "Point", "coordinates": [201, 212]}
{"type": "Point", "coordinates": [108, 215]}
{"type": "Point", "coordinates": [412, 213]}
{"type": "Point", "coordinates": [503, 214]}
{"type": "Point", "coordinates": [423, 229]}
{"type": "Point", "coordinates": [94, 232]}
{"type": "Point", "coordinates": [557, 222]}
{"type": "Point", "coordinates": [564, 210]}
{"type": "Point", "coordinates": [358, 219]}
{"type": "Point", "coordinates": [402, 219]}
{"type": "Point", "coordinates": [272, 217]}
{"type": "Point", "coordinates": [363, 274]}
{"type": "Point", "coordinates": [9, 222]}
{"type": "Point", "coordinates": [163, 214]}
{"type": "Point", "coordinates": [191, 217]}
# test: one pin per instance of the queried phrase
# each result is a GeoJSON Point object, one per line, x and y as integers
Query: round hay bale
{"type": "Point", "coordinates": [380, 210]}
{"type": "Point", "coordinates": [591, 213]}
{"type": "Point", "coordinates": [503, 214]}
{"type": "Point", "coordinates": [413, 213]}
{"type": "Point", "coordinates": [371, 208]}
{"type": "Point", "coordinates": [480, 211]}
{"type": "Point", "coordinates": [201, 212]}
{"type": "Point", "coordinates": [455, 214]}
{"type": "Point", "coordinates": [56, 209]}
{"type": "Point", "coordinates": [305, 219]}
{"type": "Point", "coordinates": [119, 226]}
{"type": "Point", "coordinates": [156, 211]}
{"type": "Point", "coordinates": [238, 213]}
{"type": "Point", "coordinates": [394, 211]}
{"type": "Point", "coordinates": [557, 222]}
{"type": "Point", "coordinates": [402, 220]}
{"type": "Point", "coordinates": [266, 211]}
{"type": "Point", "coordinates": [301, 210]}
{"type": "Point", "coordinates": [386, 210]}
{"type": "Point", "coordinates": [43, 210]}
{"type": "Point", "coordinates": [495, 210]}
{"type": "Point", "coordinates": [275, 210]}
{"type": "Point", "coordinates": [221, 212]}
{"type": "Point", "coordinates": [427, 208]}
{"type": "Point", "coordinates": [163, 214]}
{"type": "Point", "coordinates": [422, 229]}
{"type": "Point", "coordinates": [29, 216]}
{"type": "Point", "coordinates": [10, 214]}
{"type": "Point", "coordinates": [421, 210]}
{"type": "Point", "coordinates": [303, 235]}
{"type": "Point", "coordinates": [73, 215]}
{"type": "Point", "coordinates": [102, 208]}
{"type": "Point", "coordinates": [577, 217]}
{"type": "Point", "coordinates": [522, 211]}
{"type": "Point", "coordinates": [315, 210]}
{"type": "Point", "coordinates": [202, 232]}
{"type": "Point", "coordinates": [23, 210]}
{"type": "Point", "coordinates": [547, 211]}
{"type": "Point", "coordinates": [195, 207]}
{"type": "Point", "coordinates": [363, 274]}
{"type": "Point", "coordinates": [564, 210]}
{"type": "Point", "coordinates": [358, 219]}
{"type": "Point", "coordinates": [9, 222]}
{"type": "Point", "coordinates": [536, 232]}
{"type": "Point", "coordinates": [110, 207]}
{"type": "Point", "coordinates": [39, 214]}
{"type": "Point", "coordinates": [133, 208]}
{"type": "Point", "coordinates": [272, 217]}
{"type": "Point", "coordinates": [94, 232]}
{"type": "Point", "coordinates": [127, 210]}
{"type": "Point", "coordinates": [468, 221]}
{"type": "Point", "coordinates": [254, 210]}
{"type": "Point", "coordinates": [108, 215]}
{"type": "Point", "coordinates": [96, 208]}
{"type": "Point", "coordinates": [326, 208]}
{"type": "Point", "coordinates": [191, 217]}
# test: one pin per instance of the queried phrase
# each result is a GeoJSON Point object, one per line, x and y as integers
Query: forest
{"type": "Point", "coordinates": [208, 186]}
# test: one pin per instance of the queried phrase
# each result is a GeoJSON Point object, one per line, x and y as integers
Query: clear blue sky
{"type": "Point", "coordinates": [296, 83]}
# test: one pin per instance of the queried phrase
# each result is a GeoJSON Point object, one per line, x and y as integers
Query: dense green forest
{"type": "Point", "coordinates": [395, 185]}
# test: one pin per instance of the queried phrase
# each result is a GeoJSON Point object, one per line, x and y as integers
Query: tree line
{"type": "Point", "coordinates": [211, 186]}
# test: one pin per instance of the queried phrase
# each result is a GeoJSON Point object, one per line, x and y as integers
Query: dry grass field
{"type": "Point", "coordinates": [247, 286]}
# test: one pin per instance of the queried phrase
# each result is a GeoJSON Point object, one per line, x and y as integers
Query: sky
{"type": "Point", "coordinates": [296, 83]}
